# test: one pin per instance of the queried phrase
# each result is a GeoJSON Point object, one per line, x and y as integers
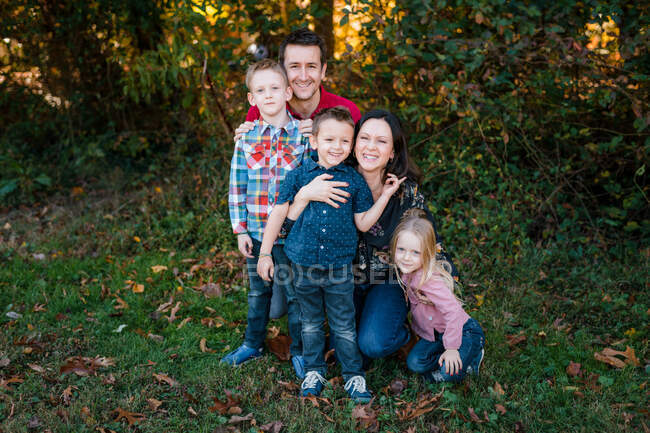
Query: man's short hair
{"type": "Point", "coordinates": [263, 65]}
{"type": "Point", "coordinates": [339, 113]}
{"type": "Point", "coordinates": [307, 38]}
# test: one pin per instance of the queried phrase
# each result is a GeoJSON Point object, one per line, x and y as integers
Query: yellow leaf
{"type": "Point", "coordinates": [158, 268]}
{"type": "Point", "coordinates": [157, 189]}
{"type": "Point", "coordinates": [479, 300]}
{"type": "Point", "coordinates": [138, 288]}
{"type": "Point", "coordinates": [137, 239]}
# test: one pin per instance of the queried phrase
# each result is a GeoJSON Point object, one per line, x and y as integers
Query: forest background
{"type": "Point", "coordinates": [529, 119]}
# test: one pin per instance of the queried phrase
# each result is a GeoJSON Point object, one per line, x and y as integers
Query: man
{"type": "Point", "coordinates": [304, 56]}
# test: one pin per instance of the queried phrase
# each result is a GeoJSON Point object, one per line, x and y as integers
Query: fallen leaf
{"type": "Point", "coordinates": [279, 346]}
{"type": "Point", "coordinates": [39, 307]}
{"type": "Point", "coordinates": [203, 346]}
{"type": "Point", "coordinates": [273, 332]}
{"type": "Point", "coordinates": [4, 362]}
{"type": "Point", "coordinates": [83, 366]}
{"type": "Point", "coordinates": [184, 322]}
{"type": "Point", "coordinates": [498, 389]}
{"type": "Point", "coordinates": [609, 356]}
{"type": "Point", "coordinates": [397, 386]}
{"type": "Point", "coordinates": [191, 411]}
{"type": "Point", "coordinates": [211, 290]}
{"type": "Point", "coordinates": [137, 288]}
{"type": "Point", "coordinates": [500, 409]}
{"type": "Point", "coordinates": [573, 369]}
{"type": "Point", "coordinates": [172, 315]}
{"type": "Point", "coordinates": [473, 415]}
{"type": "Point", "coordinates": [272, 427]}
{"type": "Point", "coordinates": [5, 382]}
{"type": "Point", "coordinates": [158, 268]}
{"type": "Point", "coordinates": [222, 407]}
{"type": "Point", "coordinates": [516, 339]}
{"type": "Point", "coordinates": [366, 417]}
{"type": "Point", "coordinates": [155, 337]}
{"type": "Point", "coordinates": [119, 328]}
{"type": "Point", "coordinates": [36, 368]}
{"type": "Point", "coordinates": [130, 417]}
{"type": "Point", "coordinates": [154, 404]}
{"type": "Point", "coordinates": [163, 378]}
{"type": "Point", "coordinates": [33, 423]}
{"type": "Point", "coordinates": [236, 418]}
{"type": "Point", "coordinates": [121, 304]}
{"type": "Point", "coordinates": [66, 395]}
{"type": "Point", "coordinates": [426, 403]}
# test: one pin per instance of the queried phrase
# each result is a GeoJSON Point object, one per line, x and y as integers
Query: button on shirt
{"type": "Point", "coordinates": [262, 159]}
{"type": "Point", "coordinates": [324, 235]}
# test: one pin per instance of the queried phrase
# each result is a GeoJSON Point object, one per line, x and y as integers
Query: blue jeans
{"type": "Point", "coordinates": [381, 317]}
{"type": "Point", "coordinates": [319, 289]}
{"type": "Point", "coordinates": [424, 356]}
{"type": "Point", "coordinates": [259, 299]}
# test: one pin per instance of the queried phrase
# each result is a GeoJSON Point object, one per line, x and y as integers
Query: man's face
{"type": "Point", "coordinates": [269, 92]}
{"type": "Point", "coordinates": [304, 69]}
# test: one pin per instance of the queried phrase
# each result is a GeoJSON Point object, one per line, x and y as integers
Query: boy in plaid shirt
{"type": "Point", "coordinates": [262, 158]}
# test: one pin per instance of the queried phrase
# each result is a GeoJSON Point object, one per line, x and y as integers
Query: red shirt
{"type": "Point", "coordinates": [327, 100]}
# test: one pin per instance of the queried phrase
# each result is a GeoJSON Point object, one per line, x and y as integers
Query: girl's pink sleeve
{"type": "Point", "coordinates": [453, 315]}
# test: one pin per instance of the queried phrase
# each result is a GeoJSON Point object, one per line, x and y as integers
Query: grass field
{"type": "Point", "coordinates": [116, 308]}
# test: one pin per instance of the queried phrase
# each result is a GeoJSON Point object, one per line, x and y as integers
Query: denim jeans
{"type": "Point", "coordinates": [319, 289]}
{"type": "Point", "coordinates": [381, 317]}
{"type": "Point", "coordinates": [259, 299]}
{"type": "Point", "coordinates": [424, 356]}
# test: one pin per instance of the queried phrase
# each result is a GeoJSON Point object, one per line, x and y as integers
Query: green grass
{"type": "Point", "coordinates": [568, 303]}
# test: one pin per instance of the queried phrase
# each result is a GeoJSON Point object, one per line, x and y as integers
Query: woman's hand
{"type": "Point", "coordinates": [391, 185]}
{"type": "Point", "coordinates": [322, 189]}
{"type": "Point", "coordinates": [453, 363]}
{"type": "Point", "coordinates": [265, 268]}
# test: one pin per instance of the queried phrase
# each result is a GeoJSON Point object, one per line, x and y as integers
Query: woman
{"type": "Point", "coordinates": [380, 148]}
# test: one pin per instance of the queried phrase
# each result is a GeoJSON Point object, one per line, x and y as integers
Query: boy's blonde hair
{"type": "Point", "coordinates": [416, 222]}
{"type": "Point", "coordinates": [264, 65]}
{"type": "Point", "coordinates": [338, 113]}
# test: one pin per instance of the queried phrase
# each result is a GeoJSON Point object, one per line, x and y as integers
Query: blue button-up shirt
{"type": "Point", "coordinates": [324, 235]}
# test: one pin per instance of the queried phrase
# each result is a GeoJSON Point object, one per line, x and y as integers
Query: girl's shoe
{"type": "Point", "coordinates": [242, 354]}
{"type": "Point", "coordinates": [474, 367]}
{"type": "Point", "coordinates": [356, 388]}
{"type": "Point", "coordinates": [312, 385]}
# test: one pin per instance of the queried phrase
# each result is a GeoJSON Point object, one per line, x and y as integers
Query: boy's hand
{"type": "Point", "coordinates": [453, 363]}
{"type": "Point", "coordinates": [245, 245]}
{"type": "Point", "coordinates": [304, 127]}
{"type": "Point", "coordinates": [265, 268]}
{"type": "Point", "coordinates": [244, 128]}
{"type": "Point", "coordinates": [391, 185]}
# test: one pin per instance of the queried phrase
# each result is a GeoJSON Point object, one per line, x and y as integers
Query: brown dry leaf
{"type": "Point", "coordinates": [39, 307]}
{"type": "Point", "coordinates": [162, 377]}
{"type": "Point", "coordinates": [172, 314]}
{"type": "Point", "coordinates": [5, 382]}
{"type": "Point", "coordinates": [473, 415]}
{"type": "Point", "coordinates": [184, 322]}
{"type": "Point", "coordinates": [500, 409]}
{"type": "Point", "coordinates": [158, 268]}
{"type": "Point", "coordinates": [155, 337]}
{"type": "Point", "coordinates": [366, 417]}
{"type": "Point", "coordinates": [108, 379]}
{"type": "Point", "coordinates": [329, 355]}
{"type": "Point", "coordinates": [272, 427]}
{"type": "Point", "coordinates": [37, 368]}
{"type": "Point", "coordinates": [162, 308]}
{"type": "Point", "coordinates": [279, 346]}
{"type": "Point", "coordinates": [154, 404]}
{"type": "Point", "coordinates": [222, 407]}
{"type": "Point", "coordinates": [397, 386]}
{"type": "Point", "coordinates": [191, 411]}
{"type": "Point", "coordinates": [211, 290]}
{"type": "Point", "coordinates": [130, 417]}
{"type": "Point", "coordinates": [235, 410]}
{"type": "Point", "coordinates": [236, 418]}
{"type": "Point", "coordinates": [66, 395]}
{"type": "Point", "coordinates": [573, 369]}
{"type": "Point", "coordinates": [426, 403]}
{"type": "Point", "coordinates": [4, 362]}
{"type": "Point", "coordinates": [203, 346]}
{"type": "Point", "coordinates": [137, 288]}
{"type": "Point", "coordinates": [516, 339]}
{"type": "Point", "coordinates": [498, 389]}
{"type": "Point", "coordinates": [290, 386]}
{"type": "Point", "coordinates": [208, 321]}
{"type": "Point", "coordinates": [121, 304]}
{"type": "Point", "coordinates": [609, 356]}
{"type": "Point", "coordinates": [273, 332]}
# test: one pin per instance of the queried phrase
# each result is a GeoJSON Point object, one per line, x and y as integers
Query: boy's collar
{"type": "Point", "coordinates": [291, 124]}
{"type": "Point", "coordinates": [313, 165]}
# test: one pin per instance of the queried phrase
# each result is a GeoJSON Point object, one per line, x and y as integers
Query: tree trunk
{"type": "Point", "coordinates": [324, 25]}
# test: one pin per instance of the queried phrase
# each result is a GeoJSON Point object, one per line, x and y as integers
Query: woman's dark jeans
{"type": "Point", "coordinates": [381, 316]}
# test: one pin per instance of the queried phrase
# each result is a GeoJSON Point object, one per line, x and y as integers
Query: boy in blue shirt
{"type": "Point", "coordinates": [321, 246]}
{"type": "Point", "coordinates": [262, 158]}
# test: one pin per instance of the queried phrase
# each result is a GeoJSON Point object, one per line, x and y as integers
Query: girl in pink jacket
{"type": "Point", "coordinates": [451, 342]}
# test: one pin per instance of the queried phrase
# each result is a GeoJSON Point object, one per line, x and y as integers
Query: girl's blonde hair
{"type": "Point", "coordinates": [415, 221]}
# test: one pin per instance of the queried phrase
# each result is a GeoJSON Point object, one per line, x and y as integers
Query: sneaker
{"type": "Point", "coordinates": [242, 354]}
{"type": "Point", "coordinates": [356, 389]}
{"type": "Point", "coordinates": [475, 366]}
{"type": "Point", "coordinates": [299, 366]}
{"type": "Point", "coordinates": [312, 385]}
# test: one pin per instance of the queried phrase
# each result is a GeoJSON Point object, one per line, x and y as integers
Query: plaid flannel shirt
{"type": "Point", "coordinates": [262, 158]}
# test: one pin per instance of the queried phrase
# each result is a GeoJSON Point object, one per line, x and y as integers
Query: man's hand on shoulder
{"type": "Point", "coordinates": [244, 128]}
{"type": "Point", "coordinates": [304, 127]}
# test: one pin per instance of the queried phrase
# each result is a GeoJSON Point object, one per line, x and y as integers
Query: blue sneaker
{"type": "Point", "coordinates": [299, 366]}
{"type": "Point", "coordinates": [312, 385]}
{"type": "Point", "coordinates": [356, 389]}
{"type": "Point", "coordinates": [474, 367]}
{"type": "Point", "coordinates": [242, 354]}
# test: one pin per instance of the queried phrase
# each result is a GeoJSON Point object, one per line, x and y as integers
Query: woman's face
{"type": "Point", "coordinates": [374, 146]}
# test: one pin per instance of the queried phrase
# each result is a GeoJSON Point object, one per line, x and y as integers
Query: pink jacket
{"type": "Point", "coordinates": [446, 315]}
